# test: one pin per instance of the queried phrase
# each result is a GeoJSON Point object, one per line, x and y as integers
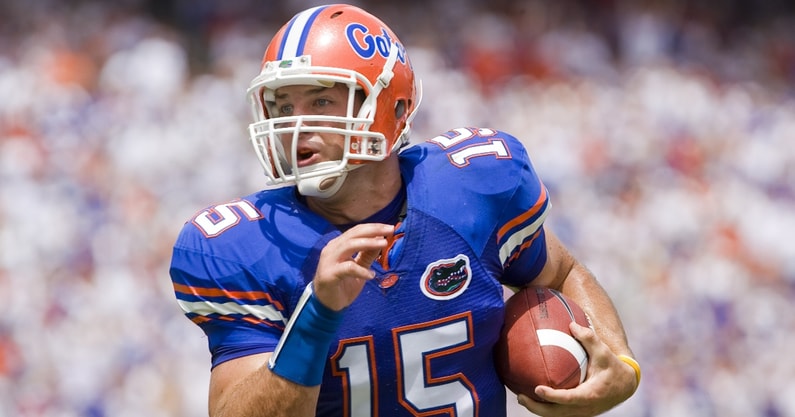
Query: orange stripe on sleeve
{"type": "Point", "coordinates": [203, 319]}
{"type": "Point", "coordinates": [199, 319]}
{"type": "Point", "coordinates": [526, 215]}
{"type": "Point", "coordinates": [235, 295]}
{"type": "Point", "coordinates": [523, 247]}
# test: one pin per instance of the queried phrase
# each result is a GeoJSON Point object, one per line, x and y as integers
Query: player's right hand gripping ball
{"type": "Point", "coordinates": [536, 346]}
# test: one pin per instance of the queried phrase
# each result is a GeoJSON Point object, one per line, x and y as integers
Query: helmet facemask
{"type": "Point", "coordinates": [275, 139]}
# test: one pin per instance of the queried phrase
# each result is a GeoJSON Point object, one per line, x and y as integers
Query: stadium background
{"type": "Point", "coordinates": [664, 130]}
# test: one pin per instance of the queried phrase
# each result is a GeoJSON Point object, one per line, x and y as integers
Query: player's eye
{"type": "Point", "coordinates": [285, 109]}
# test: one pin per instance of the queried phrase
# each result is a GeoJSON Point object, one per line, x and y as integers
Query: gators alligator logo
{"type": "Point", "coordinates": [447, 278]}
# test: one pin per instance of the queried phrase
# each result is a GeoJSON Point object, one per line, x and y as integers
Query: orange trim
{"type": "Point", "coordinates": [199, 319]}
{"type": "Point", "coordinates": [258, 321]}
{"type": "Point", "coordinates": [369, 342]}
{"type": "Point", "coordinates": [429, 379]}
{"type": "Point", "coordinates": [390, 241]}
{"type": "Point", "coordinates": [204, 319]}
{"type": "Point", "coordinates": [526, 215]}
{"type": "Point", "coordinates": [235, 295]}
{"type": "Point", "coordinates": [524, 246]}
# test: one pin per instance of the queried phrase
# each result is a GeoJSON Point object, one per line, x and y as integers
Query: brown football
{"type": "Point", "coordinates": [536, 346]}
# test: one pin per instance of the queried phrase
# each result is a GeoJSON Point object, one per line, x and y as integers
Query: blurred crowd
{"type": "Point", "coordinates": [663, 130]}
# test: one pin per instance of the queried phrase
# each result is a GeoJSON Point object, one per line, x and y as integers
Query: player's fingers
{"type": "Point", "coordinates": [582, 333]}
{"type": "Point", "coordinates": [344, 264]}
{"type": "Point", "coordinates": [353, 270]}
{"type": "Point", "coordinates": [548, 408]}
{"type": "Point", "coordinates": [533, 406]}
{"type": "Point", "coordinates": [599, 355]}
{"type": "Point", "coordinates": [363, 241]}
{"type": "Point", "coordinates": [370, 229]}
{"type": "Point", "coordinates": [554, 396]}
{"type": "Point", "coordinates": [571, 397]}
{"type": "Point", "coordinates": [375, 239]}
{"type": "Point", "coordinates": [354, 265]}
{"type": "Point", "coordinates": [367, 257]}
{"type": "Point", "coordinates": [361, 248]}
{"type": "Point", "coordinates": [365, 250]}
{"type": "Point", "coordinates": [351, 254]}
{"type": "Point", "coordinates": [587, 338]}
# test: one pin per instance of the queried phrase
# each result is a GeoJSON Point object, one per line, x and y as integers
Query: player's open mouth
{"type": "Point", "coordinates": [305, 157]}
{"type": "Point", "coordinates": [304, 154]}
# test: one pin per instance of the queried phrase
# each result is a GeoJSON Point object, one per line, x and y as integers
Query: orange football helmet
{"type": "Point", "coordinates": [323, 46]}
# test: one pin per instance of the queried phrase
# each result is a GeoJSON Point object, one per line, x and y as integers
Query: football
{"type": "Point", "coordinates": [535, 345]}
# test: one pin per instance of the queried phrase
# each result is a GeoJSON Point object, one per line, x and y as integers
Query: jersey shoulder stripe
{"type": "Point", "coordinates": [537, 210]}
{"type": "Point", "coordinates": [520, 232]}
{"type": "Point", "coordinates": [203, 311]}
{"type": "Point", "coordinates": [187, 292]}
{"type": "Point", "coordinates": [204, 304]}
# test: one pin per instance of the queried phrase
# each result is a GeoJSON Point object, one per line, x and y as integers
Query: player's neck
{"type": "Point", "coordinates": [366, 191]}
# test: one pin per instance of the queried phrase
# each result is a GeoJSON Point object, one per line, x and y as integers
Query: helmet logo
{"type": "Point", "coordinates": [366, 44]}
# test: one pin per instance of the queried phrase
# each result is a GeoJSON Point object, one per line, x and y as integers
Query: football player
{"type": "Point", "coordinates": [367, 278]}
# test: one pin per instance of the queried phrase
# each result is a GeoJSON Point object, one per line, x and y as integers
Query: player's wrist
{"type": "Point", "coordinates": [301, 354]}
{"type": "Point", "coordinates": [634, 365]}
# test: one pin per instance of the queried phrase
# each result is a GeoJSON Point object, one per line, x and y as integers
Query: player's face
{"type": "Point", "coordinates": [303, 100]}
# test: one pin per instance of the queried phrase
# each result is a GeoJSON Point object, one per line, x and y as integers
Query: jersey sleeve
{"type": "Point", "coordinates": [520, 237]}
{"type": "Point", "coordinates": [238, 269]}
{"type": "Point", "coordinates": [519, 233]}
{"type": "Point", "coordinates": [238, 321]}
{"type": "Point", "coordinates": [240, 314]}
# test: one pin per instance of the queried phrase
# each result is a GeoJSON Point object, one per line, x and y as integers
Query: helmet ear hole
{"type": "Point", "coordinates": [400, 109]}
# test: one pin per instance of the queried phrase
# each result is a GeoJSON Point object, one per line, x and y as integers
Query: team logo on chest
{"type": "Point", "coordinates": [447, 278]}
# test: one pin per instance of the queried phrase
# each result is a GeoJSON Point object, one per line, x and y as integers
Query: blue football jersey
{"type": "Point", "coordinates": [418, 340]}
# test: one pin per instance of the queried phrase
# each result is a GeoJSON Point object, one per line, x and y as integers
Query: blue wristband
{"type": "Point", "coordinates": [302, 351]}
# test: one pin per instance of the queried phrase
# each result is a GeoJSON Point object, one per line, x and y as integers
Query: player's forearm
{"type": "Point", "coordinates": [586, 291]}
{"type": "Point", "coordinates": [622, 379]}
{"type": "Point", "coordinates": [264, 393]}
{"type": "Point", "coordinates": [565, 273]}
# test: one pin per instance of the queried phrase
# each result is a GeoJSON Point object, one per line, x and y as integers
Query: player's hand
{"type": "Point", "coordinates": [344, 264]}
{"type": "Point", "coordinates": [609, 382]}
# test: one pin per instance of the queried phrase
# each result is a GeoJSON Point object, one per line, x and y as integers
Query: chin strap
{"type": "Point", "coordinates": [311, 187]}
{"type": "Point", "coordinates": [323, 186]}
